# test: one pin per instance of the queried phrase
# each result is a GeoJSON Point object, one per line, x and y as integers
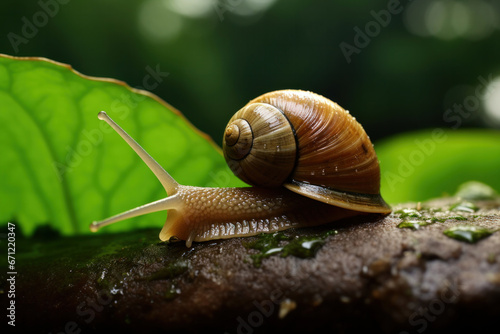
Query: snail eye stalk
{"type": "Point", "coordinates": [170, 185]}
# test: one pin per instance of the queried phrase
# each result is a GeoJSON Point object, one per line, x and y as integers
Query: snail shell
{"type": "Point", "coordinates": [308, 144]}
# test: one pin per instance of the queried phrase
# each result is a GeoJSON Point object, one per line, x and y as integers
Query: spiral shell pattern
{"type": "Point", "coordinates": [309, 144]}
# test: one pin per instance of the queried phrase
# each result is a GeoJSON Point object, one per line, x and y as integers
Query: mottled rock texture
{"type": "Point", "coordinates": [369, 276]}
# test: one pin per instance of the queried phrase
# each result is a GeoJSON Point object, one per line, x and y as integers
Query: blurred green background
{"type": "Point", "coordinates": [396, 66]}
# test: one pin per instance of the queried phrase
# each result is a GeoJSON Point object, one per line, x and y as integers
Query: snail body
{"type": "Point", "coordinates": [309, 161]}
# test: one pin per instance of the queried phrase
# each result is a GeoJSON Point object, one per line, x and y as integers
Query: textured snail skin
{"type": "Point", "coordinates": [220, 213]}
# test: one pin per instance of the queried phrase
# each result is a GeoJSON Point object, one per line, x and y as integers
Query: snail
{"type": "Point", "coordinates": [308, 160]}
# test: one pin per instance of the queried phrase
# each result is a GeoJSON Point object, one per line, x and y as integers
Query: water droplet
{"type": "Point", "coordinates": [413, 224]}
{"type": "Point", "coordinates": [464, 206]}
{"type": "Point", "coordinates": [468, 233]}
{"type": "Point", "coordinates": [103, 274]}
{"type": "Point", "coordinates": [411, 213]}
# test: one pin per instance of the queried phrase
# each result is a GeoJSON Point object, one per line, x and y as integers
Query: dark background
{"type": "Point", "coordinates": [220, 54]}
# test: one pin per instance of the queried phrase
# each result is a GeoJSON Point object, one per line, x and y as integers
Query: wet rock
{"type": "Point", "coordinates": [359, 274]}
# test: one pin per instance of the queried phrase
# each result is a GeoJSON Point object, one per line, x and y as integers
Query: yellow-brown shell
{"type": "Point", "coordinates": [309, 144]}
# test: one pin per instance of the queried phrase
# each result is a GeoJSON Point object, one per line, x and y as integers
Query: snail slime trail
{"type": "Point", "coordinates": [280, 143]}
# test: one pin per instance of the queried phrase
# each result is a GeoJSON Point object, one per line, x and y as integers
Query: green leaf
{"type": "Point", "coordinates": [428, 164]}
{"type": "Point", "coordinates": [61, 166]}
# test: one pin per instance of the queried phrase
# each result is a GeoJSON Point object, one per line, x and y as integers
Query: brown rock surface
{"type": "Point", "coordinates": [370, 276]}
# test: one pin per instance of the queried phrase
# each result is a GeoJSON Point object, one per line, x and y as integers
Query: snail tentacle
{"type": "Point", "coordinates": [166, 180]}
{"type": "Point", "coordinates": [173, 202]}
{"type": "Point", "coordinates": [169, 203]}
